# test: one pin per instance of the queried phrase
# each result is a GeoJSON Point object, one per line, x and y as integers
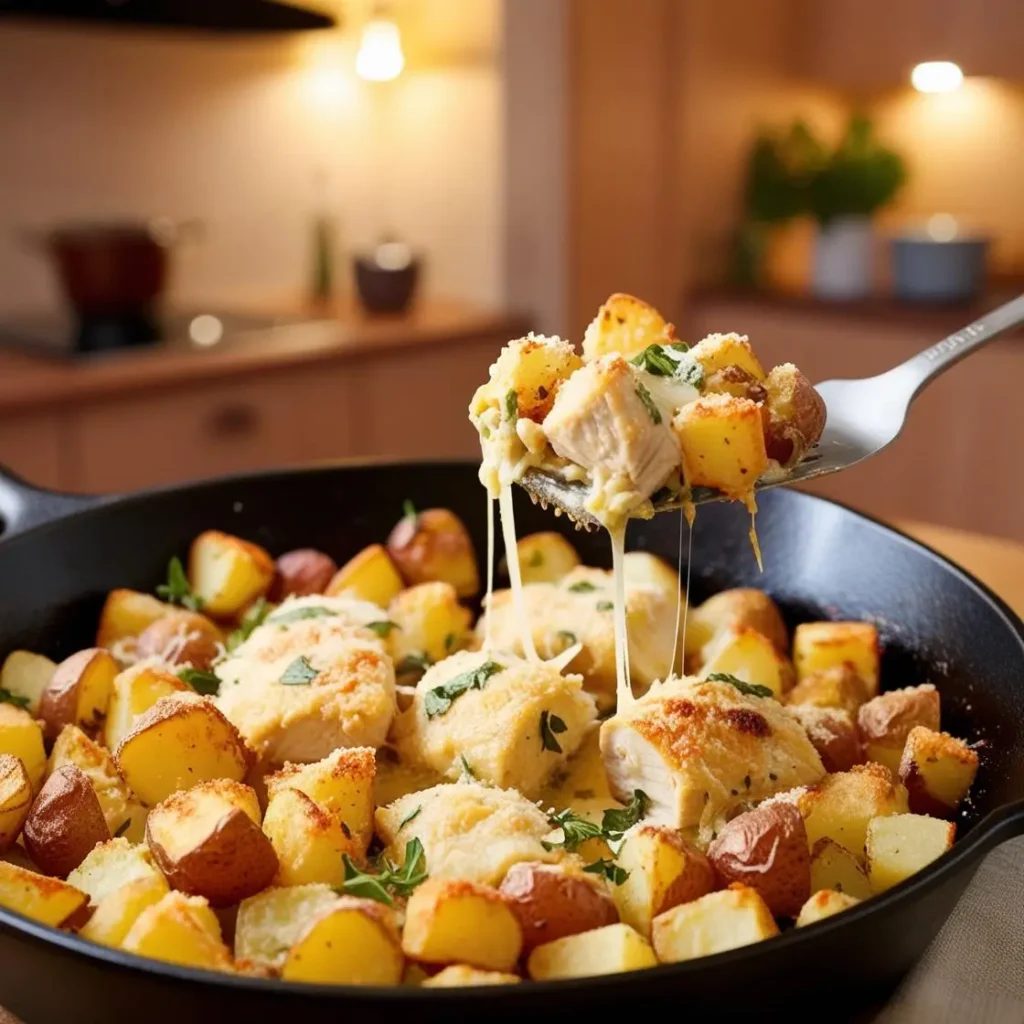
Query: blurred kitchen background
{"type": "Point", "coordinates": [237, 234]}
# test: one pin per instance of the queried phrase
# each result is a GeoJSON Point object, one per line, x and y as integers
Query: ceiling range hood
{"type": "Point", "coordinates": [202, 15]}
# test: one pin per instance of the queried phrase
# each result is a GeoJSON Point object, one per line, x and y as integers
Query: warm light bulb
{"type": "Point", "coordinates": [380, 56]}
{"type": "Point", "coordinates": [936, 76]}
{"type": "Point", "coordinates": [942, 227]}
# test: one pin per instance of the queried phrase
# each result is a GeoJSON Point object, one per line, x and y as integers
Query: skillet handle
{"type": "Point", "coordinates": [23, 506]}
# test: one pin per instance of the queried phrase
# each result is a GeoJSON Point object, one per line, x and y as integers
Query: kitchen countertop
{"type": "Point", "coordinates": [336, 333]}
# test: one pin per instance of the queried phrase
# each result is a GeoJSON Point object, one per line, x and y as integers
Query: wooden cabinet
{"type": "Point", "coordinates": [33, 446]}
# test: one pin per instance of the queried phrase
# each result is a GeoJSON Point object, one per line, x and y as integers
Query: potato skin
{"type": "Point", "coordinates": [300, 573]}
{"type": "Point", "coordinates": [796, 415]}
{"type": "Point", "coordinates": [199, 650]}
{"type": "Point", "coordinates": [65, 822]}
{"type": "Point", "coordinates": [550, 903]}
{"type": "Point", "coordinates": [59, 704]}
{"type": "Point", "coordinates": [833, 733]}
{"type": "Point", "coordinates": [766, 849]}
{"type": "Point", "coordinates": [435, 545]}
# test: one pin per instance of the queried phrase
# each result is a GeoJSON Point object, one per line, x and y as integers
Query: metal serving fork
{"type": "Point", "coordinates": [863, 417]}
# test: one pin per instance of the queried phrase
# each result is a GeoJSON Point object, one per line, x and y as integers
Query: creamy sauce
{"type": "Point", "coordinates": [490, 571]}
{"type": "Point", "coordinates": [508, 533]}
{"type": "Point", "coordinates": [623, 685]}
{"type": "Point", "coordinates": [682, 597]}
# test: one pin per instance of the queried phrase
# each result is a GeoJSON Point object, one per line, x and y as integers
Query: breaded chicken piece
{"type": "Point", "coordinates": [339, 688]}
{"type": "Point", "coordinates": [513, 721]}
{"type": "Point", "coordinates": [467, 830]}
{"type": "Point", "coordinates": [701, 750]}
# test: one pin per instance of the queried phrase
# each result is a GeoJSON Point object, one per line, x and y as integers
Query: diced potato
{"type": "Point", "coordinates": [748, 655]}
{"type": "Point", "coordinates": [824, 903]}
{"type": "Point", "coordinates": [722, 920]}
{"type": "Point", "coordinates": [534, 368]}
{"type": "Point", "coordinates": [625, 325]}
{"type": "Point", "coordinates": [300, 573]}
{"type": "Point", "coordinates": [545, 557]}
{"type": "Point", "coordinates": [796, 415]}
{"type": "Point", "coordinates": [15, 798]}
{"type": "Point", "coordinates": [126, 613]}
{"type": "Point", "coordinates": [370, 576]}
{"type": "Point", "coordinates": [308, 841]}
{"type": "Point", "coordinates": [937, 770]}
{"type": "Point", "coordinates": [664, 871]}
{"type": "Point", "coordinates": [136, 690]}
{"type": "Point", "coordinates": [833, 733]}
{"type": "Point", "coordinates": [833, 867]}
{"type": "Point", "coordinates": [342, 784]}
{"type": "Point", "coordinates": [822, 645]}
{"type": "Point", "coordinates": [21, 736]}
{"type": "Point", "coordinates": [836, 687]}
{"type": "Point", "coordinates": [430, 622]}
{"type": "Point", "coordinates": [434, 546]}
{"type": "Point", "coordinates": [79, 692]}
{"type": "Point", "coordinates": [722, 440]}
{"type": "Point", "coordinates": [610, 950]}
{"type": "Point", "coordinates": [720, 351]}
{"type": "Point", "coordinates": [270, 923]}
{"type": "Point", "coordinates": [464, 976]}
{"type": "Point", "coordinates": [180, 741]}
{"type": "Point", "coordinates": [739, 607]}
{"type": "Point", "coordinates": [900, 845]}
{"type": "Point", "coordinates": [453, 921]}
{"type": "Point", "coordinates": [646, 571]}
{"type": "Point", "coordinates": [352, 942]}
{"type": "Point", "coordinates": [181, 637]}
{"type": "Point", "coordinates": [46, 900]}
{"type": "Point", "coordinates": [227, 573]}
{"type": "Point", "coordinates": [111, 865]}
{"type": "Point", "coordinates": [179, 930]}
{"type": "Point", "coordinates": [115, 914]}
{"type": "Point", "coordinates": [27, 675]}
{"type": "Point", "coordinates": [885, 722]}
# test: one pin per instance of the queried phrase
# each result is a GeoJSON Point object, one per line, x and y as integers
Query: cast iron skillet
{"type": "Point", "coordinates": [61, 554]}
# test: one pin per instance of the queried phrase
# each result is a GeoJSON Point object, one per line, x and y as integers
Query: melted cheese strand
{"type": "Point", "coordinates": [490, 570]}
{"type": "Point", "coordinates": [679, 601]}
{"type": "Point", "coordinates": [508, 533]}
{"type": "Point", "coordinates": [686, 607]}
{"type": "Point", "coordinates": [751, 504]}
{"type": "Point", "coordinates": [623, 685]}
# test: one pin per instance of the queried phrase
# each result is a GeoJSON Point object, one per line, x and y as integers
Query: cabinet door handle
{"type": "Point", "coordinates": [234, 420]}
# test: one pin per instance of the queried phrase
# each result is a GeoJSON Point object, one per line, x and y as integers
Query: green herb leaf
{"type": "Point", "coordinates": [649, 404]}
{"type": "Point", "coordinates": [466, 767]}
{"type": "Point", "coordinates": [361, 883]}
{"type": "Point", "coordinates": [512, 405]}
{"type": "Point", "coordinates": [413, 870]}
{"type": "Point", "coordinates": [409, 510]}
{"type": "Point", "coordinates": [617, 820]}
{"type": "Point", "coordinates": [605, 606]}
{"type": "Point", "coordinates": [202, 681]}
{"type": "Point", "coordinates": [680, 346]}
{"type": "Point", "coordinates": [411, 816]}
{"type": "Point", "coordinates": [382, 628]}
{"type": "Point", "coordinates": [414, 661]}
{"type": "Point", "coordinates": [549, 725]}
{"type": "Point", "coordinates": [670, 361]}
{"type": "Point", "coordinates": [299, 673]}
{"type": "Point", "coordinates": [440, 698]}
{"type": "Point", "coordinates": [568, 636]}
{"type": "Point", "coordinates": [608, 869]}
{"type": "Point", "coordinates": [390, 880]}
{"type": "Point", "coordinates": [177, 589]}
{"type": "Point", "coordinates": [575, 830]}
{"type": "Point", "coordinates": [655, 361]}
{"type": "Point", "coordinates": [309, 611]}
{"type": "Point", "coordinates": [122, 828]}
{"type": "Point", "coordinates": [750, 689]}
{"type": "Point", "coordinates": [582, 587]}
{"type": "Point", "coordinates": [255, 615]}
{"type": "Point", "coordinates": [450, 642]}
{"type": "Point", "coordinates": [692, 373]}
{"type": "Point", "coordinates": [6, 697]}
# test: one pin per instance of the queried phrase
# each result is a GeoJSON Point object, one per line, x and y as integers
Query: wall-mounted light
{"type": "Point", "coordinates": [380, 57]}
{"type": "Point", "coordinates": [936, 76]}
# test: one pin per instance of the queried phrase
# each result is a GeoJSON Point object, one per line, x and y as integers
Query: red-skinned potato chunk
{"type": "Point", "coordinates": [227, 573]}
{"type": "Point", "coordinates": [79, 692]}
{"type": "Point", "coordinates": [795, 415]}
{"type": "Point", "coordinates": [300, 573]}
{"type": "Point", "coordinates": [65, 822]}
{"type": "Point", "coordinates": [551, 902]}
{"type": "Point", "coordinates": [836, 687]}
{"type": "Point", "coordinates": [43, 899]}
{"type": "Point", "coordinates": [15, 798]}
{"type": "Point", "coordinates": [937, 770]}
{"type": "Point", "coordinates": [885, 722]}
{"type": "Point", "coordinates": [833, 733]}
{"type": "Point", "coordinates": [736, 608]}
{"type": "Point", "coordinates": [434, 545]}
{"type": "Point", "coordinates": [766, 849]}
{"type": "Point", "coordinates": [181, 637]}
{"type": "Point", "coordinates": [126, 613]}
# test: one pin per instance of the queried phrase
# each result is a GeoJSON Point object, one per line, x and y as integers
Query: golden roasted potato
{"type": "Point", "coordinates": [126, 613]}
{"type": "Point", "coordinates": [350, 942]}
{"type": "Point", "coordinates": [625, 325]}
{"type": "Point", "coordinates": [766, 849]}
{"type": "Point", "coordinates": [833, 733]}
{"type": "Point", "coordinates": [270, 923]}
{"type": "Point", "coordinates": [79, 692]}
{"type": "Point", "coordinates": [900, 845]}
{"type": "Point", "coordinates": [823, 645]}
{"type": "Point", "coordinates": [227, 573]}
{"type": "Point", "coordinates": [721, 351]}
{"type": "Point", "coordinates": [342, 784]}
{"type": "Point", "coordinates": [735, 608]}
{"type": "Point", "coordinates": [722, 920]}
{"type": "Point", "coordinates": [613, 949]}
{"type": "Point", "coordinates": [833, 867]}
{"type": "Point", "coordinates": [545, 557]}
{"type": "Point", "coordinates": [15, 798]}
{"type": "Point", "coordinates": [722, 442]}
{"type": "Point", "coordinates": [454, 921]}
{"type": "Point", "coordinates": [663, 871]}
{"type": "Point", "coordinates": [430, 622]}
{"type": "Point", "coordinates": [309, 842]}
{"type": "Point", "coordinates": [464, 976]}
{"type": "Point", "coordinates": [435, 546]}
{"type": "Point", "coordinates": [835, 687]}
{"type": "Point", "coordinates": [824, 903]}
{"type": "Point", "coordinates": [533, 368]}
{"type": "Point", "coordinates": [207, 841]}
{"type": "Point", "coordinates": [180, 741]}
{"type": "Point", "coordinates": [937, 770]}
{"type": "Point", "coordinates": [46, 900]}
{"type": "Point", "coordinates": [115, 914]}
{"type": "Point", "coordinates": [734, 380]}
{"type": "Point", "coordinates": [796, 415]}
{"type": "Point", "coordinates": [26, 675]}
{"type": "Point", "coordinates": [181, 930]}
{"type": "Point", "coordinates": [136, 690]}
{"type": "Point", "coordinates": [21, 736]}
{"type": "Point", "coordinates": [65, 822]}
{"type": "Point", "coordinates": [885, 722]}
{"type": "Point", "coordinates": [749, 656]}
{"type": "Point", "coordinates": [370, 575]}
{"type": "Point", "coordinates": [646, 571]}
{"type": "Point", "coordinates": [181, 637]}
{"type": "Point", "coordinates": [300, 573]}
{"type": "Point", "coordinates": [111, 865]}
{"type": "Point", "coordinates": [552, 901]}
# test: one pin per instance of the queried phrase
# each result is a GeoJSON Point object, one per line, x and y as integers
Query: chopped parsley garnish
{"type": "Point", "coordinates": [671, 361]}
{"type": "Point", "coordinates": [311, 611]}
{"type": "Point", "coordinates": [655, 361]}
{"type": "Point", "coordinates": [551, 724]}
{"type": "Point", "coordinates": [202, 681]}
{"type": "Point", "coordinates": [536, 559]}
{"type": "Point", "coordinates": [299, 673]}
{"type": "Point", "coordinates": [467, 767]}
{"type": "Point", "coordinates": [568, 636]}
{"type": "Point", "coordinates": [582, 587]}
{"type": "Point", "coordinates": [382, 628]}
{"type": "Point", "coordinates": [512, 405]}
{"type": "Point", "coordinates": [414, 661]}
{"type": "Point", "coordinates": [440, 698]}
{"type": "Point", "coordinates": [605, 606]}
{"type": "Point", "coordinates": [6, 697]}
{"type": "Point", "coordinates": [680, 346]}
{"type": "Point", "coordinates": [177, 589]}
{"type": "Point", "coordinates": [618, 820]}
{"type": "Point", "coordinates": [409, 510]}
{"type": "Point", "coordinates": [389, 880]}
{"type": "Point", "coordinates": [750, 689]}
{"type": "Point", "coordinates": [122, 828]}
{"type": "Point", "coordinates": [254, 616]}
{"type": "Point", "coordinates": [411, 816]}
{"type": "Point", "coordinates": [575, 830]}
{"type": "Point", "coordinates": [649, 404]}
{"type": "Point", "coordinates": [614, 822]}
{"type": "Point", "coordinates": [608, 869]}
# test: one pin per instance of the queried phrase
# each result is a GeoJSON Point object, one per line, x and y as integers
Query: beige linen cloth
{"type": "Point", "coordinates": [973, 973]}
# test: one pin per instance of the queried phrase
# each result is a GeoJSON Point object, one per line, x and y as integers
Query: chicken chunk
{"type": "Point", "coordinates": [514, 722]}
{"type": "Point", "coordinates": [702, 750]}
{"type": "Point", "coordinates": [467, 830]}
